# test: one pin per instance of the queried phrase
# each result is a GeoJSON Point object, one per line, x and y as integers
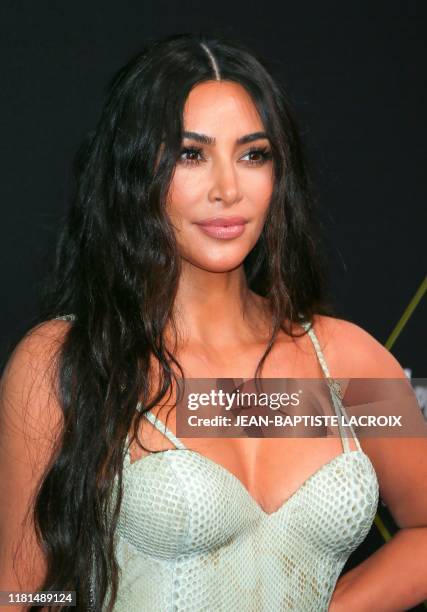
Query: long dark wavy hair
{"type": "Point", "coordinates": [117, 269]}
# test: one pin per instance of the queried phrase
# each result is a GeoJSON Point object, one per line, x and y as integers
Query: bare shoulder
{"type": "Point", "coordinates": [39, 343]}
{"type": "Point", "coordinates": [29, 382]}
{"type": "Point", "coordinates": [35, 352]}
{"type": "Point", "coordinates": [399, 462]}
{"type": "Point", "coordinates": [351, 351]}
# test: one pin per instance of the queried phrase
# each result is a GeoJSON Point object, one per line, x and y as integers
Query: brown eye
{"type": "Point", "coordinates": [257, 156]}
{"type": "Point", "coordinates": [190, 155]}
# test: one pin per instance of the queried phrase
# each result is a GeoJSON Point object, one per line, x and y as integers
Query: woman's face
{"type": "Point", "coordinates": [223, 180]}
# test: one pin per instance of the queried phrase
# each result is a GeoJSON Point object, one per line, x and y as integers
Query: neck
{"type": "Point", "coordinates": [218, 309]}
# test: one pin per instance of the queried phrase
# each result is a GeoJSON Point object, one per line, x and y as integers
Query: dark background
{"type": "Point", "coordinates": [356, 74]}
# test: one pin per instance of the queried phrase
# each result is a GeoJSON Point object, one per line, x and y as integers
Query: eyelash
{"type": "Point", "coordinates": [263, 151]}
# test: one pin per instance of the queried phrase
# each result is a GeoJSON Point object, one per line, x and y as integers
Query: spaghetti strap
{"type": "Point", "coordinates": [67, 317]}
{"type": "Point", "coordinates": [163, 428]}
{"type": "Point", "coordinates": [334, 389]}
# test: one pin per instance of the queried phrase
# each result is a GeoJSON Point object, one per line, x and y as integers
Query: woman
{"type": "Point", "coordinates": [190, 251]}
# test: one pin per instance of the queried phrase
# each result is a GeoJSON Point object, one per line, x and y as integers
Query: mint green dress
{"type": "Point", "coordinates": [191, 538]}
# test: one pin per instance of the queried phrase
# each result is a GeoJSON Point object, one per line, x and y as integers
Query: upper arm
{"type": "Point", "coordinates": [30, 421]}
{"type": "Point", "coordinates": [400, 462]}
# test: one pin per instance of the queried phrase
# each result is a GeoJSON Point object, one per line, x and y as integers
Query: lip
{"type": "Point", "coordinates": [223, 228]}
{"type": "Point", "coordinates": [222, 221]}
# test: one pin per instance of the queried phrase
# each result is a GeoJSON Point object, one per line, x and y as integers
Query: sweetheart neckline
{"type": "Point", "coordinates": [234, 478]}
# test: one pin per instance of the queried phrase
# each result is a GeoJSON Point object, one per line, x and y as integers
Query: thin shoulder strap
{"type": "Point", "coordinates": [334, 389]}
{"type": "Point", "coordinates": [162, 428]}
{"type": "Point", "coordinates": [67, 317]}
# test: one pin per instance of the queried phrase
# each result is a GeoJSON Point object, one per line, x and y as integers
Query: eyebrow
{"type": "Point", "coordinates": [209, 140]}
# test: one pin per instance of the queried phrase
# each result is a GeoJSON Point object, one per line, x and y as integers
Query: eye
{"type": "Point", "coordinates": [191, 155]}
{"type": "Point", "coordinates": [254, 157]}
{"type": "Point", "coordinates": [257, 156]}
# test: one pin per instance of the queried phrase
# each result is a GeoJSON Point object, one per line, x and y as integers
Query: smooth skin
{"type": "Point", "coordinates": [223, 331]}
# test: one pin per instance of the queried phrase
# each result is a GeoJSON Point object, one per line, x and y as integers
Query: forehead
{"type": "Point", "coordinates": [218, 106]}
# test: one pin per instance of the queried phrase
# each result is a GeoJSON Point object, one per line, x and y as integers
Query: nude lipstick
{"type": "Point", "coordinates": [223, 228]}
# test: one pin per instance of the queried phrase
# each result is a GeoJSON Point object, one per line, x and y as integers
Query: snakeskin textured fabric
{"type": "Point", "coordinates": [192, 538]}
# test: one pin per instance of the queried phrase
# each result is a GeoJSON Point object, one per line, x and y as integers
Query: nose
{"type": "Point", "coordinates": [225, 184]}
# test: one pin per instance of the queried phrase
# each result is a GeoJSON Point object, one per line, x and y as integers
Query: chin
{"type": "Point", "coordinates": [222, 257]}
{"type": "Point", "coordinates": [217, 265]}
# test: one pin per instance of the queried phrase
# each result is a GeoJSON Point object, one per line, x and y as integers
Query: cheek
{"type": "Point", "coordinates": [185, 193]}
{"type": "Point", "coordinates": [258, 192]}
{"type": "Point", "coordinates": [258, 188]}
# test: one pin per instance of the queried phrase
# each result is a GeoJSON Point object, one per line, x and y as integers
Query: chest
{"type": "Point", "coordinates": [179, 503]}
{"type": "Point", "coordinates": [270, 469]}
